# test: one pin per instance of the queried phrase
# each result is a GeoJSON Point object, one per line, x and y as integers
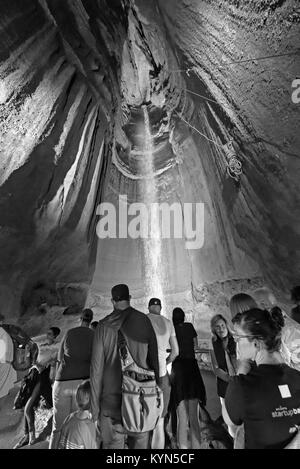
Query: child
{"type": "Point", "coordinates": [79, 431]}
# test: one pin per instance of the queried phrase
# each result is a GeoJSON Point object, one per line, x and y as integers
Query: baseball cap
{"type": "Point", "coordinates": [154, 301]}
{"type": "Point", "coordinates": [120, 292]}
{"type": "Point", "coordinates": [87, 315]}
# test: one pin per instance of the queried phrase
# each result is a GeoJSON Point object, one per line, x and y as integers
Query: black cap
{"type": "Point", "coordinates": [154, 301]}
{"type": "Point", "coordinates": [120, 292]}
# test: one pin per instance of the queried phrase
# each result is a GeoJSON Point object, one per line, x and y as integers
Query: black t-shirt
{"type": "Point", "coordinates": [185, 334]}
{"type": "Point", "coordinates": [267, 401]}
{"type": "Point", "coordinates": [75, 354]}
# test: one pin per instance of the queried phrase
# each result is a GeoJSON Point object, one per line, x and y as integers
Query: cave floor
{"type": "Point", "coordinates": [11, 421]}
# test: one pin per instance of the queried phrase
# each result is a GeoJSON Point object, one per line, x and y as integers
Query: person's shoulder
{"type": "Point", "coordinates": [137, 312]}
{"type": "Point", "coordinates": [70, 419]}
{"type": "Point", "coordinates": [136, 315]}
{"type": "Point", "coordinates": [71, 331]}
{"type": "Point", "coordinates": [240, 381]}
{"type": "Point", "coordinates": [292, 373]}
{"type": "Point", "coordinates": [188, 326]}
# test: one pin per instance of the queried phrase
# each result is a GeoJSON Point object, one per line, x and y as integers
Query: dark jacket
{"type": "Point", "coordinates": [218, 346]}
{"type": "Point", "coordinates": [105, 373]}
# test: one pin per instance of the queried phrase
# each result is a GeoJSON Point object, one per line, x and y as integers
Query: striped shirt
{"type": "Point", "coordinates": [78, 432]}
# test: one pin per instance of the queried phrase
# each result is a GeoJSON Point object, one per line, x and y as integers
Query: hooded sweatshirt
{"type": "Point", "coordinates": [106, 373]}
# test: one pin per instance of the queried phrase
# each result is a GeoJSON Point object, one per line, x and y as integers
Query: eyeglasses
{"type": "Point", "coordinates": [238, 337]}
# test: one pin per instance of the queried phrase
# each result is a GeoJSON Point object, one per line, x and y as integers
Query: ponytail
{"type": "Point", "coordinates": [264, 324]}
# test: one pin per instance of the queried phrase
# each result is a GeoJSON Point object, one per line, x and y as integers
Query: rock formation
{"type": "Point", "coordinates": [74, 80]}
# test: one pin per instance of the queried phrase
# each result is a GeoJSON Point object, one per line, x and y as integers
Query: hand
{"type": "Point", "coordinates": [243, 368]}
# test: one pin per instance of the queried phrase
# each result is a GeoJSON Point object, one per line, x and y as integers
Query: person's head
{"type": "Point", "coordinates": [83, 395]}
{"type": "Point", "coordinates": [52, 334]}
{"type": "Point", "coordinates": [240, 303]}
{"type": "Point", "coordinates": [218, 326]}
{"type": "Point", "coordinates": [154, 306]}
{"type": "Point", "coordinates": [178, 316]}
{"type": "Point", "coordinates": [94, 325]}
{"type": "Point", "coordinates": [295, 295]}
{"type": "Point", "coordinates": [257, 331]}
{"type": "Point", "coordinates": [265, 298]}
{"type": "Point", "coordinates": [87, 317]}
{"type": "Point", "coordinates": [120, 296]}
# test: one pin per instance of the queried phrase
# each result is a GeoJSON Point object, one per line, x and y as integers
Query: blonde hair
{"type": "Point", "coordinates": [83, 395]}
{"type": "Point", "coordinates": [264, 296]}
{"type": "Point", "coordinates": [213, 323]}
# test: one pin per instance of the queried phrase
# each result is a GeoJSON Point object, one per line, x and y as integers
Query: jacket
{"type": "Point", "coordinates": [105, 372]}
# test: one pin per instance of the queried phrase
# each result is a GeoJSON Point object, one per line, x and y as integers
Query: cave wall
{"type": "Point", "coordinates": [54, 132]}
{"type": "Point", "coordinates": [255, 108]}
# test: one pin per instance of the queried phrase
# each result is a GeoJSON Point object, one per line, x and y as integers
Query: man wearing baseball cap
{"type": "Point", "coordinates": [167, 352]}
{"type": "Point", "coordinates": [106, 375]}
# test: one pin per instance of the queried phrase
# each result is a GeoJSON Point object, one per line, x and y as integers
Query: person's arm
{"type": "Point", "coordinates": [174, 349]}
{"type": "Point", "coordinates": [243, 367]}
{"type": "Point", "coordinates": [232, 428]}
{"type": "Point", "coordinates": [96, 371]}
{"type": "Point", "coordinates": [60, 354]}
{"type": "Point", "coordinates": [233, 407]}
{"type": "Point", "coordinates": [218, 371]}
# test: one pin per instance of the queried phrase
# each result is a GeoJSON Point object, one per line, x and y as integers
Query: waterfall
{"type": "Point", "coordinates": [152, 246]}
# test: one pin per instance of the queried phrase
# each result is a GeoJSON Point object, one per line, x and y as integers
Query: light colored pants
{"type": "Point", "coordinates": [64, 403]}
{"type": "Point", "coordinates": [113, 435]}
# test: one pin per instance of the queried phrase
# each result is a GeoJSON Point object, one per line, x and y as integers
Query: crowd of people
{"type": "Point", "coordinates": [117, 383]}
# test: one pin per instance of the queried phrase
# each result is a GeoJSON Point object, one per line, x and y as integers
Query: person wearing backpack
{"type": "Point", "coordinates": [38, 383]}
{"type": "Point", "coordinates": [126, 400]}
{"type": "Point", "coordinates": [8, 375]}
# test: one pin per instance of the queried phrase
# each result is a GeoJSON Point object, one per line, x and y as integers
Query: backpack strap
{"type": "Point", "coordinates": [127, 360]}
{"type": "Point", "coordinates": [125, 355]}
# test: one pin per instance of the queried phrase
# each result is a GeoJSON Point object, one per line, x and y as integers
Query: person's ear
{"type": "Point", "coordinates": [257, 344]}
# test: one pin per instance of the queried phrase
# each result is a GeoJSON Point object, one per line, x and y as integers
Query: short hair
{"type": "Point", "coordinates": [264, 325]}
{"type": "Point", "coordinates": [295, 294]}
{"type": "Point", "coordinates": [240, 303]}
{"type": "Point", "coordinates": [55, 330]}
{"type": "Point", "coordinates": [87, 315]}
{"type": "Point", "coordinates": [178, 316]}
{"type": "Point", "coordinates": [213, 323]}
{"type": "Point", "coordinates": [83, 395]}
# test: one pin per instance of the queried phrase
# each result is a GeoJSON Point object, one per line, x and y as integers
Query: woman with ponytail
{"type": "Point", "coordinates": [266, 397]}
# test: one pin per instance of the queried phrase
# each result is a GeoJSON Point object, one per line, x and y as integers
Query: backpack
{"type": "Point", "coordinates": [25, 350]}
{"type": "Point", "coordinates": [142, 399]}
{"type": "Point", "coordinates": [27, 386]}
